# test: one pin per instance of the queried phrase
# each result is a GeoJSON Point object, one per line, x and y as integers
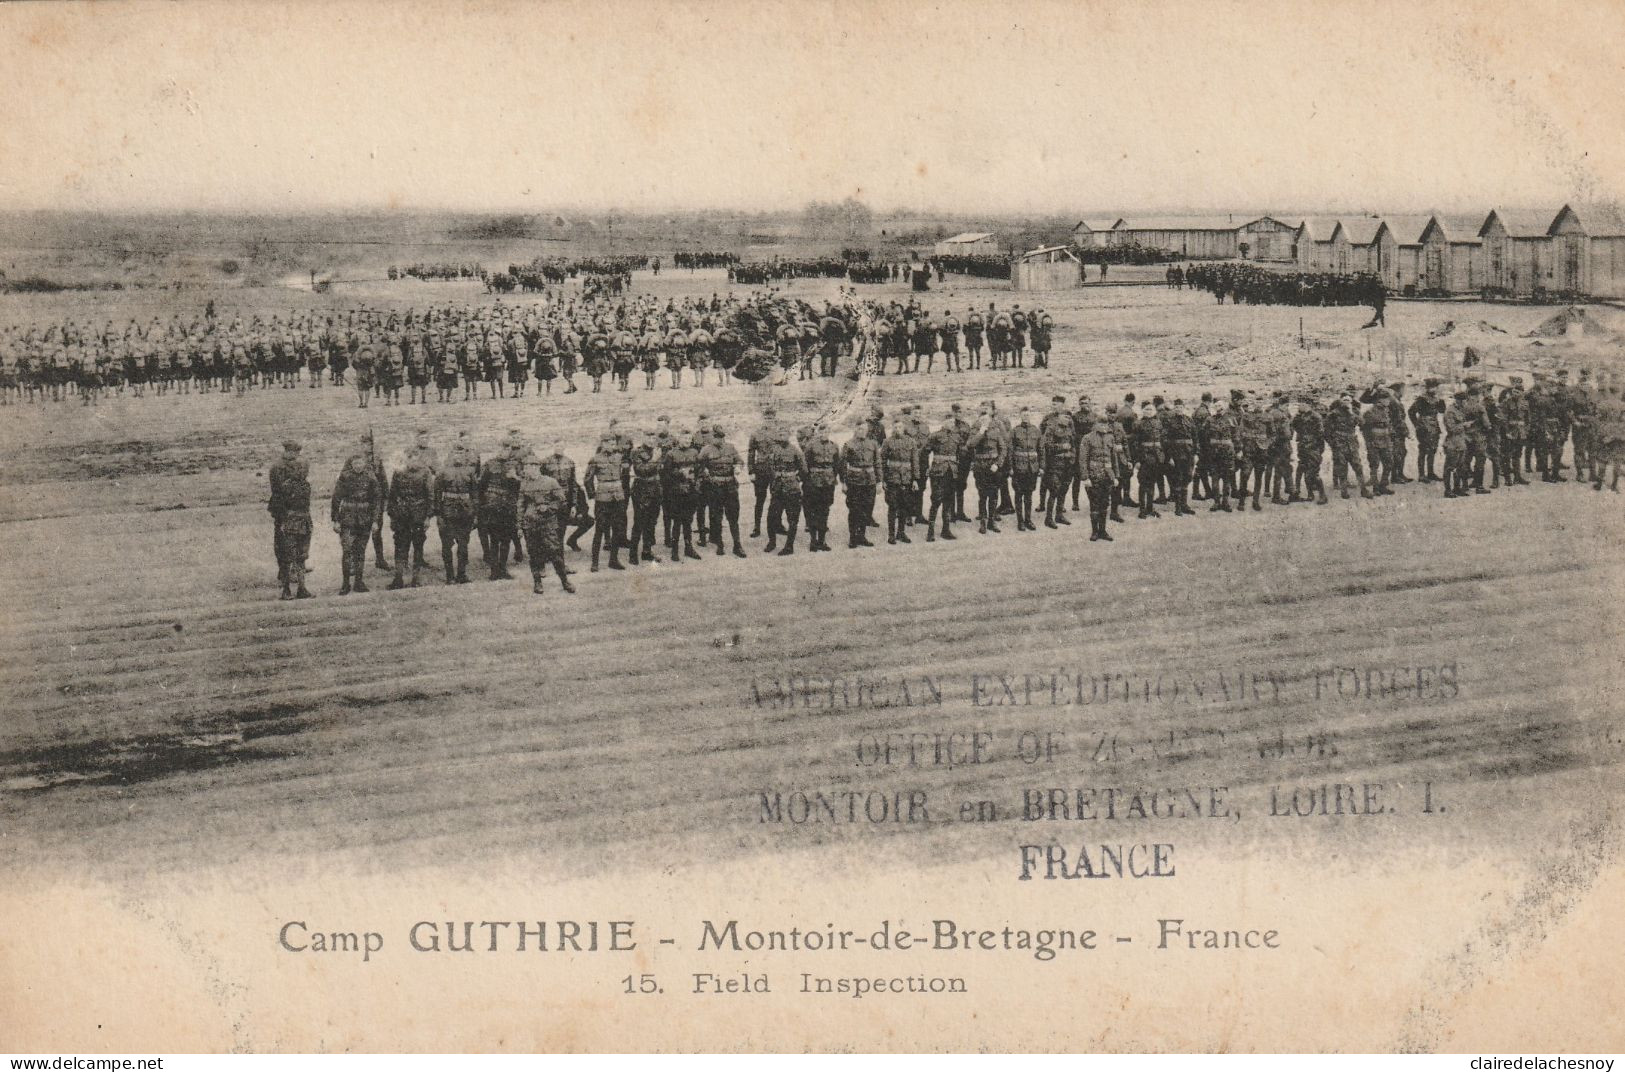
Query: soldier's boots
{"type": "Point", "coordinates": [947, 533]}
{"type": "Point", "coordinates": [689, 552]}
{"type": "Point", "coordinates": [398, 582]}
{"type": "Point", "coordinates": [564, 576]}
{"type": "Point", "coordinates": [1322, 500]}
{"type": "Point", "coordinates": [615, 559]}
{"type": "Point", "coordinates": [450, 573]}
{"type": "Point", "coordinates": [536, 581]}
{"type": "Point", "coordinates": [287, 592]}
{"type": "Point", "coordinates": [739, 552]}
{"type": "Point", "coordinates": [360, 586]}
{"type": "Point", "coordinates": [789, 547]}
{"type": "Point", "coordinates": [417, 575]}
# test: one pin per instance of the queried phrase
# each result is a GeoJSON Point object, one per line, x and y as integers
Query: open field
{"type": "Point", "coordinates": [164, 709]}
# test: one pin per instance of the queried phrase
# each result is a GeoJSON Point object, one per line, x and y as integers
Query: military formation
{"type": "Point", "coordinates": [467, 352]}
{"type": "Point", "coordinates": [668, 492]}
{"type": "Point", "coordinates": [1248, 284]}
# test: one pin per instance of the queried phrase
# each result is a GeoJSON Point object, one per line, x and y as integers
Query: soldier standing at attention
{"type": "Point", "coordinates": [541, 509]}
{"type": "Point", "coordinates": [1514, 413]}
{"type": "Point", "coordinates": [562, 469]}
{"type": "Point", "coordinates": [1424, 413]}
{"type": "Point", "coordinates": [1147, 441]}
{"type": "Point", "coordinates": [719, 468]}
{"type": "Point", "coordinates": [606, 486]}
{"type": "Point", "coordinates": [1478, 435]}
{"type": "Point", "coordinates": [788, 470]}
{"type": "Point", "coordinates": [899, 467]}
{"type": "Point", "coordinates": [1179, 446]}
{"type": "Point", "coordinates": [499, 506]}
{"type": "Point", "coordinates": [942, 467]}
{"type": "Point", "coordinates": [455, 489]}
{"type": "Point", "coordinates": [756, 454]}
{"type": "Point", "coordinates": [411, 502]}
{"type": "Point", "coordinates": [1455, 447]}
{"type": "Point", "coordinates": [647, 490]}
{"type": "Point", "coordinates": [823, 460]}
{"type": "Point", "coordinates": [1097, 461]}
{"type": "Point", "coordinates": [987, 450]}
{"type": "Point", "coordinates": [357, 500]}
{"type": "Point", "coordinates": [1399, 432]}
{"type": "Point", "coordinates": [860, 474]}
{"type": "Point", "coordinates": [1310, 428]}
{"type": "Point", "coordinates": [1026, 466]}
{"type": "Point", "coordinates": [1219, 455]}
{"type": "Point", "coordinates": [682, 487]}
{"type": "Point", "coordinates": [363, 363]}
{"type": "Point", "coordinates": [1342, 423]}
{"type": "Point", "coordinates": [290, 517]}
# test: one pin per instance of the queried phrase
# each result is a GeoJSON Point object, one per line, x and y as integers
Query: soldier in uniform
{"type": "Point", "coordinates": [646, 464]}
{"type": "Point", "coordinates": [942, 468]}
{"type": "Point", "coordinates": [1424, 413]}
{"type": "Point", "coordinates": [364, 359]}
{"type": "Point", "coordinates": [1398, 431]}
{"type": "Point", "coordinates": [756, 455]}
{"type": "Point", "coordinates": [1583, 424]}
{"type": "Point", "coordinates": [1219, 455]}
{"type": "Point", "coordinates": [1479, 434]}
{"type": "Point", "coordinates": [900, 468]}
{"type": "Point", "coordinates": [456, 488]}
{"type": "Point", "coordinates": [1147, 451]}
{"type": "Point", "coordinates": [1513, 410]}
{"type": "Point", "coordinates": [499, 506]}
{"type": "Point", "coordinates": [719, 468]}
{"type": "Point", "coordinates": [1179, 446]}
{"type": "Point", "coordinates": [1342, 424]}
{"type": "Point", "coordinates": [1309, 426]}
{"type": "Point", "coordinates": [1059, 441]}
{"type": "Point", "coordinates": [682, 488]}
{"type": "Point", "coordinates": [1026, 466]}
{"type": "Point", "coordinates": [1278, 427]}
{"type": "Point", "coordinates": [787, 470]}
{"type": "Point", "coordinates": [357, 500]}
{"type": "Point", "coordinates": [410, 504]}
{"type": "Point", "coordinates": [823, 461]}
{"type": "Point", "coordinates": [1456, 420]}
{"type": "Point", "coordinates": [1378, 438]}
{"type": "Point", "coordinates": [605, 485]}
{"type": "Point", "coordinates": [1098, 462]}
{"type": "Point", "coordinates": [290, 517]}
{"type": "Point", "coordinates": [987, 450]}
{"type": "Point", "coordinates": [542, 507]}
{"type": "Point", "coordinates": [860, 474]}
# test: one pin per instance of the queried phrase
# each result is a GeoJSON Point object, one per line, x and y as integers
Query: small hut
{"type": "Point", "coordinates": [1050, 268]}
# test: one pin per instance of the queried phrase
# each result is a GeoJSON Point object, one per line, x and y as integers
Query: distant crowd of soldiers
{"type": "Point", "coordinates": [703, 259]}
{"type": "Point", "coordinates": [466, 352]}
{"type": "Point", "coordinates": [672, 487]}
{"type": "Point", "coordinates": [1251, 285]}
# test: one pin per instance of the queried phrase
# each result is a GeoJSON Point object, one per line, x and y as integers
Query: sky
{"type": "Point", "coordinates": [1028, 106]}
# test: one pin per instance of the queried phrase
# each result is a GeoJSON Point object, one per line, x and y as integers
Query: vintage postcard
{"type": "Point", "coordinates": [825, 526]}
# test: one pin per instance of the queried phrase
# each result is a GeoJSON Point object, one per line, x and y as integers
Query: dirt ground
{"type": "Point", "coordinates": [164, 708]}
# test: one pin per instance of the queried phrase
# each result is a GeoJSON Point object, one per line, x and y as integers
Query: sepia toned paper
{"type": "Point", "coordinates": [1302, 779]}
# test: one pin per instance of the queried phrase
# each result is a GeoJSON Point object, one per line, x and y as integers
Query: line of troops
{"type": "Point", "coordinates": [503, 347]}
{"type": "Point", "coordinates": [1248, 284]}
{"type": "Point", "coordinates": [675, 483]}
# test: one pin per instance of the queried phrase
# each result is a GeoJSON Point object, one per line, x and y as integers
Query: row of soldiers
{"type": "Point", "coordinates": [681, 485]}
{"type": "Point", "coordinates": [1251, 285]}
{"type": "Point", "coordinates": [500, 347]}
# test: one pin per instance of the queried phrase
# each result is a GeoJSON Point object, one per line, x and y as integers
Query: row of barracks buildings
{"type": "Point", "coordinates": [1579, 252]}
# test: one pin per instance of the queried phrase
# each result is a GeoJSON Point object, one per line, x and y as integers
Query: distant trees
{"type": "Point", "coordinates": [850, 218]}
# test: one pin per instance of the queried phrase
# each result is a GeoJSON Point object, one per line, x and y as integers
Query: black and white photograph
{"type": "Point", "coordinates": [822, 526]}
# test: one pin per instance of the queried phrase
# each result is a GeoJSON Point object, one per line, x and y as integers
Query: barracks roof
{"type": "Point", "coordinates": [1407, 228]}
{"type": "Point", "coordinates": [1520, 223]}
{"type": "Point", "coordinates": [1361, 230]}
{"type": "Point", "coordinates": [971, 236]}
{"type": "Point", "coordinates": [1607, 221]}
{"type": "Point", "coordinates": [1099, 224]}
{"type": "Point", "coordinates": [1182, 223]}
